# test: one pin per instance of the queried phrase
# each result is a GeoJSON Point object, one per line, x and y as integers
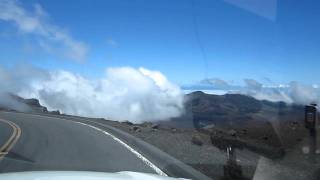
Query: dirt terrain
{"type": "Point", "coordinates": [205, 149]}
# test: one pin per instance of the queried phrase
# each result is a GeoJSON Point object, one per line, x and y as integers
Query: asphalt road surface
{"type": "Point", "coordinates": [46, 143]}
{"type": "Point", "coordinates": [5, 132]}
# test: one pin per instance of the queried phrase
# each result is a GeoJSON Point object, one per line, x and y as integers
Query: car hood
{"type": "Point", "coordinates": [80, 175]}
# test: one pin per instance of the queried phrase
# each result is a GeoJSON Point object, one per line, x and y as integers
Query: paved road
{"type": "Point", "coordinates": [5, 132]}
{"type": "Point", "coordinates": [54, 144]}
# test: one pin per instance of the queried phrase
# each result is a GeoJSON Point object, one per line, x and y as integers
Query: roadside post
{"type": "Point", "coordinates": [311, 124]}
{"type": "Point", "coordinates": [232, 170]}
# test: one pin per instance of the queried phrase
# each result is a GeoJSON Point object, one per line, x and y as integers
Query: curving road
{"type": "Point", "coordinates": [5, 133]}
{"type": "Point", "coordinates": [48, 143]}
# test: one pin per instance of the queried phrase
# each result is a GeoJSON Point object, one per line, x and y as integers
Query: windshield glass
{"type": "Point", "coordinates": [197, 89]}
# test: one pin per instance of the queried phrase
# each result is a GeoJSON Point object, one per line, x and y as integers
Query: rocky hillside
{"type": "Point", "coordinates": [265, 127]}
{"type": "Point", "coordinates": [13, 102]}
{"type": "Point", "coordinates": [233, 110]}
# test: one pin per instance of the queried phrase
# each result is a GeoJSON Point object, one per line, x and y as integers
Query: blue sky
{"type": "Point", "coordinates": [186, 40]}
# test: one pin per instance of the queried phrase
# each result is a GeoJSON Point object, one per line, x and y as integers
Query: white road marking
{"type": "Point", "coordinates": [140, 156]}
{"type": "Point", "coordinates": [136, 153]}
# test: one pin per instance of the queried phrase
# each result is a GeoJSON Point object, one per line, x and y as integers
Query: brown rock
{"type": "Point", "coordinates": [265, 138]}
{"type": "Point", "coordinates": [232, 132]}
{"type": "Point", "coordinates": [196, 139]}
{"type": "Point", "coordinates": [155, 126]}
{"type": "Point", "coordinates": [128, 123]}
{"type": "Point", "coordinates": [135, 129]}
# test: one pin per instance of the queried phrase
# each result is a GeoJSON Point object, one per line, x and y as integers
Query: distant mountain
{"type": "Point", "coordinates": [222, 104]}
{"type": "Point", "coordinates": [232, 109]}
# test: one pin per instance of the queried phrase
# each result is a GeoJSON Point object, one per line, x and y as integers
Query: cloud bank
{"type": "Point", "coordinates": [124, 93]}
{"type": "Point", "coordinates": [50, 36]}
{"type": "Point", "coordinates": [216, 83]}
{"type": "Point", "coordinates": [8, 102]}
{"type": "Point", "coordinates": [292, 92]}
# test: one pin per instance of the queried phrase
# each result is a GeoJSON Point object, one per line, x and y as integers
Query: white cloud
{"type": "Point", "coordinates": [293, 92]}
{"type": "Point", "coordinates": [36, 23]}
{"type": "Point", "coordinates": [216, 83]}
{"type": "Point", "coordinates": [122, 94]}
{"type": "Point", "coordinates": [8, 101]}
{"type": "Point", "coordinates": [253, 84]}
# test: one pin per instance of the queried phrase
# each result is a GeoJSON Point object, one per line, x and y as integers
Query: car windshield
{"type": "Point", "coordinates": [195, 89]}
